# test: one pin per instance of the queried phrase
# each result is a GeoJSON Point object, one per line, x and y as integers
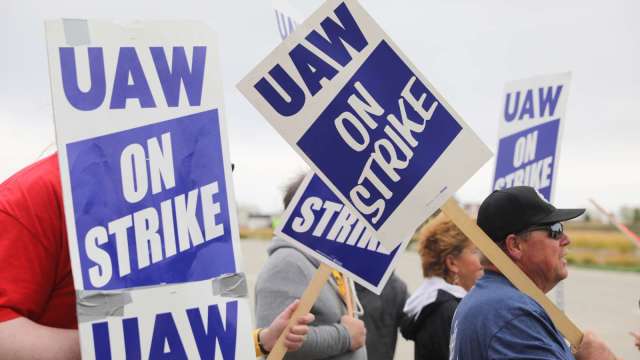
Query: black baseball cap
{"type": "Point", "coordinates": [515, 209]}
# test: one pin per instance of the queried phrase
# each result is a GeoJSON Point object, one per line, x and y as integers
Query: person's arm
{"type": "Point", "coordinates": [357, 331]}
{"type": "Point", "coordinates": [329, 340]}
{"type": "Point", "coordinates": [282, 281]}
{"type": "Point", "coordinates": [593, 348]}
{"type": "Point", "coordinates": [21, 338]}
{"type": "Point", "coordinates": [321, 340]}
{"type": "Point", "coordinates": [27, 277]}
{"type": "Point", "coordinates": [295, 336]}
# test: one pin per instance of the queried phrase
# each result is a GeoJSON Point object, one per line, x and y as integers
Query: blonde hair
{"type": "Point", "coordinates": [437, 239]}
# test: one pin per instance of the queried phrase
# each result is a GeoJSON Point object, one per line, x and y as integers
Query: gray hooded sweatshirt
{"type": "Point", "coordinates": [283, 279]}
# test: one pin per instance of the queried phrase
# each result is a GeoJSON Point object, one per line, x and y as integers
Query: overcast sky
{"type": "Point", "coordinates": [467, 49]}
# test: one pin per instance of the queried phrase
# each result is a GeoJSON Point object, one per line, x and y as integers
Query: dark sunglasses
{"type": "Point", "coordinates": [555, 231]}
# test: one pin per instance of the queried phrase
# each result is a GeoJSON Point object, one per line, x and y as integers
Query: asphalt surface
{"type": "Point", "coordinates": [605, 302]}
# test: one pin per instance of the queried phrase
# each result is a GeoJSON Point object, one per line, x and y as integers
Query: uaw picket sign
{"type": "Point", "coordinates": [320, 225]}
{"type": "Point", "coordinates": [147, 190]}
{"type": "Point", "coordinates": [529, 133]}
{"type": "Point", "coordinates": [365, 119]}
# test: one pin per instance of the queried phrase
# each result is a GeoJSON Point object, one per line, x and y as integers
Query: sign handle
{"type": "Point", "coordinates": [309, 297]}
{"type": "Point", "coordinates": [509, 269]}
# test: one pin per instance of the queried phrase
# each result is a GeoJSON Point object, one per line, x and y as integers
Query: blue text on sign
{"type": "Point", "coordinates": [280, 89]}
{"type": "Point", "coordinates": [155, 201]}
{"type": "Point", "coordinates": [151, 247]}
{"type": "Point", "coordinates": [130, 79]}
{"type": "Point", "coordinates": [167, 342]}
{"type": "Point", "coordinates": [518, 105]}
{"type": "Point", "coordinates": [385, 127]}
{"type": "Point", "coordinates": [324, 225]}
{"type": "Point", "coordinates": [527, 158]}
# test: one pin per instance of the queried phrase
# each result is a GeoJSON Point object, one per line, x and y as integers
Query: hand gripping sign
{"type": "Point", "coordinates": [147, 190]}
{"type": "Point", "coordinates": [370, 125]}
{"type": "Point", "coordinates": [529, 133]}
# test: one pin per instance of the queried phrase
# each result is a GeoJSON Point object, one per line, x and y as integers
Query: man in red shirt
{"type": "Point", "coordinates": [37, 298]}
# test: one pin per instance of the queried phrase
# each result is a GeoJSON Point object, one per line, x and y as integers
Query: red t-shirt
{"type": "Point", "coordinates": [35, 270]}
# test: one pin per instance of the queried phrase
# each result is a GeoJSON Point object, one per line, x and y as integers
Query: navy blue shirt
{"type": "Point", "coordinates": [497, 321]}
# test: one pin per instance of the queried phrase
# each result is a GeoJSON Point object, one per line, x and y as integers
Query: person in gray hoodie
{"type": "Point", "coordinates": [285, 276]}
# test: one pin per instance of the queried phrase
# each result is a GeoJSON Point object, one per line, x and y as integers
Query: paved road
{"type": "Point", "coordinates": [603, 301]}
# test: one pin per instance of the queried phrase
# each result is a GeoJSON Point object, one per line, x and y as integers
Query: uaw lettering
{"type": "Point", "coordinates": [527, 157]}
{"type": "Point", "coordinates": [531, 104]}
{"type": "Point", "coordinates": [384, 125]}
{"type": "Point", "coordinates": [130, 80]}
{"type": "Point", "coordinates": [280, 89]}
{"type": "Point", "coordinates": [324, 226]}
{"type": "Point", "coordinates": [150, 204]}
{"type": "Point", "coordinates": [166, 335]}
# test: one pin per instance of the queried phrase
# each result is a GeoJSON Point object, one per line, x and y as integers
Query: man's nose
{"type": "Point", "coordinates": [564, 240]}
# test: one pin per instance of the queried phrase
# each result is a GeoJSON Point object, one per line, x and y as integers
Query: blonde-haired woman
{"type": "Point", "coordinates": [451, 266]}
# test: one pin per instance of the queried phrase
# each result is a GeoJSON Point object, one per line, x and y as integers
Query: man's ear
{"type": "Point", "coordinates": [513, 247]}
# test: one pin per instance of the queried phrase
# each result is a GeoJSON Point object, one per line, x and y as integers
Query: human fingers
{"type": "Point", "coordinates": [299, 330]}
{"type": "Point", "coordinates": [286, 313]}
{"type": "Point", "coordinates": [293, 342]}
{"type": "Point", "coordinates": [306, 319]}
{"type": "Point", "coordinates": [293, 338]}
{"type": "Point", "coordinates": [291, 346]}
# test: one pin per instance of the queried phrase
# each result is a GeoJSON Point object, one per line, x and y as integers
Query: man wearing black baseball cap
{"type": "Point", "coordinates": [496, 320]}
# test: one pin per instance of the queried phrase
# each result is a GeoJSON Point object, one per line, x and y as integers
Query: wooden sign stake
{"type": "Point", "coordinates": [509, 269]}
{"type": "Point", "coordinates": [309, 297]}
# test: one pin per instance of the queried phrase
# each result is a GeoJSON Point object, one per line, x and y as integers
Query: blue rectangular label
{"type": "Point", "coordinates": [380, 135]}
{"type": "Point", "coordinates": [150, 204]}
{"type": "Point", "coordinates": [528, 158]}
{"type": "Point", "coordinates": [323, 224]}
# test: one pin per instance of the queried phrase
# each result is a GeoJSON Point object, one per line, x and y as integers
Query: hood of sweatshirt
{"type": "Point", "coordinates": [432, 292]}
{"type": "Point", "coordinates": [427, 293]}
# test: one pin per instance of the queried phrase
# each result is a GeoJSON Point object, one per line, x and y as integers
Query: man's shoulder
{"type": "Point", "coordinates": [33, 198]}
{"type": "Point", "coordinates": [39, 181]}
{"type": "Point", "coordinates": [495, 309]}
{"type": "Point", "coordinates": [495, 303]}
